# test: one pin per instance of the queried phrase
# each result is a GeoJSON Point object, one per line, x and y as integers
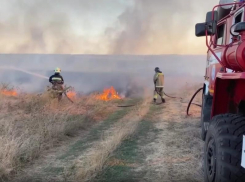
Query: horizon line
{"type": "Point", "coordinates": [104, 54]}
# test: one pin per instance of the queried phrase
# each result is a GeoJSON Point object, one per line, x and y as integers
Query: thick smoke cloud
{"type": "Point", "coordinates": [146, 21]}
{"type": "Point", "coordinates": [158, 27]}
{"type": "Point", "coordinates": [56, 26]}
{"type": "Point", "coordinates": [101, 27]}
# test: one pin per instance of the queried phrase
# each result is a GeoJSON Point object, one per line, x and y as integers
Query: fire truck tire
{"type": "Point", "coordinates": [222, 151]}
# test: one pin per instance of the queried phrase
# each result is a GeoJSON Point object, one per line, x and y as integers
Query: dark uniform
{"type": "Point", "coordinates": [56, 78]}
{"type": "Point", "coordinates": [57, 81]}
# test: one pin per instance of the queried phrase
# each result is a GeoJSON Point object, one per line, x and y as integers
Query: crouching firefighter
{"type": "Point", "coordinates": [57, 82]}
{"type": "Point", "coordinates": [159, 85]}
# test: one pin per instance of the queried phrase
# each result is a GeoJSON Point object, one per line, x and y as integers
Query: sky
{"type": "Point", "coordinates": [138, 27]}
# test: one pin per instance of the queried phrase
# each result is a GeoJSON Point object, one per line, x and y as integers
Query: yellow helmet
{"type": "Point", "coordinates": [57, 70]}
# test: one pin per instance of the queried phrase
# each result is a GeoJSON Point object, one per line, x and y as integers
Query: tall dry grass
{"type": "Point", "coordinates": [30, 124]}
{"type": "Point", "coordinates": [90, 164]}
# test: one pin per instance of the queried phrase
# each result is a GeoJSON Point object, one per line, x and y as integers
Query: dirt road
{"type": "Point", "coordinates": [162, 145]}
{"type": "Point", "coordinates": [165, 148]}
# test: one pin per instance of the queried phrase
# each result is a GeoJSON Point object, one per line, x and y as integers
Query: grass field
{"type": "Point", "coordinates": [42, 140]}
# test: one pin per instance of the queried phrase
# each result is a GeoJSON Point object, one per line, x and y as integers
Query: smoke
{"type": "Point", "coordinates": [101, 27]}
{"type": "Point", "coordinates": [43, 26]}
{"type": "Point", "coordinates": [130, 75]}
{"type": "Point", "coordinates": [158, 27]}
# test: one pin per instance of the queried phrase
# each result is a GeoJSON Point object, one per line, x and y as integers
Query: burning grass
{"type": "Point", "coordinates": [71, 94]}
{"type": "Point", "coordinates": [31, 124]}
{"type": "Point", "coordinates": [108, 94]}
{"type": "Point", "coordinates": [9, 93]}
{"type": "Point", "coordinates": [7, 90]}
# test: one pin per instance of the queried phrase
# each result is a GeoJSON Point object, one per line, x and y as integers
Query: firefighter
{"type": "Point", "coordinates": [159, 84]}
{"type": "Point", "coordinates": [57, 81]}
{"type": "Point", "coordinates": [56, 77]}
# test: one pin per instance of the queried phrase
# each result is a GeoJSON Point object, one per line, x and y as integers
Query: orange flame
{"type": "Point", "coordinates": [108, 94]}
{"type": "Point", "coordinates": [71, 94]}
{"type": "Point", "coordinates": [8, 92]}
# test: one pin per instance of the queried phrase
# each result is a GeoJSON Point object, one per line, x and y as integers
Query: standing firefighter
{"type": "Point", "coordinates": [159, 84]}
{"type": "Point", "coordinates": [57, 82]}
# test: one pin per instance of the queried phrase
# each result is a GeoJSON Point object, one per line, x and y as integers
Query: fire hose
{"type": "Point", "coordinates": [174, 97]}
{"type": "Point", "coordinates": [190, 102]}
{"type": "Point", "coordinates": [127, 105]}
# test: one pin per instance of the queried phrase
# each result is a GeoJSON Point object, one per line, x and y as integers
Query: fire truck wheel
{"type": "Point", "coordinates": [223, 146]}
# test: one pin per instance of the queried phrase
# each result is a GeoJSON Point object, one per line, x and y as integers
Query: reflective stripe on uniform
{"type": "Point", "coordinates": [56, 79]}
{"type": "Point", "coordinates": [159, 86]}
{"type": "Point", "coordinates": [158, 92]}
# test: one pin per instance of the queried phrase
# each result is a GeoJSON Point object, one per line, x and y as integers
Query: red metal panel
{"type": "Point", "coordinates": [239, 91]}
{"type": "Point", "coordinates": [229, 90]}
{"type": "Point", "coordinates": [220, 97]}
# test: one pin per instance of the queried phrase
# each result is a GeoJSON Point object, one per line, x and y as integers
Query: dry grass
{"type": "Point", "coordinates": [30, 124]}
{"type": "Point", "coordinates": [176, 154]}
{"type": "Point", "coordinates": [92, 163]}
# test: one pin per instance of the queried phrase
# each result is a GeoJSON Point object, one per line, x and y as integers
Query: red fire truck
{"type": "Point", "coordinates": [223, 105]}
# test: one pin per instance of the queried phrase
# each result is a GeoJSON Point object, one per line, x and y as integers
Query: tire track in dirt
{"type": "Point", "coordinates": [166, 147]}
{"type": "Point", "coordinates": [91, 164]}
{"type": "Point", "coordinates": [177, 150]}
{"type": "Point", "coordinates": [128, 157]}
{"type": "Point", "coordinates": [53, 166]}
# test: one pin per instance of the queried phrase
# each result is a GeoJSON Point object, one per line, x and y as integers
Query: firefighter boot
{"type": "Point", "coordinates": [154, 100]}
{"type": "Point", "coordinates": [163, 100]}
